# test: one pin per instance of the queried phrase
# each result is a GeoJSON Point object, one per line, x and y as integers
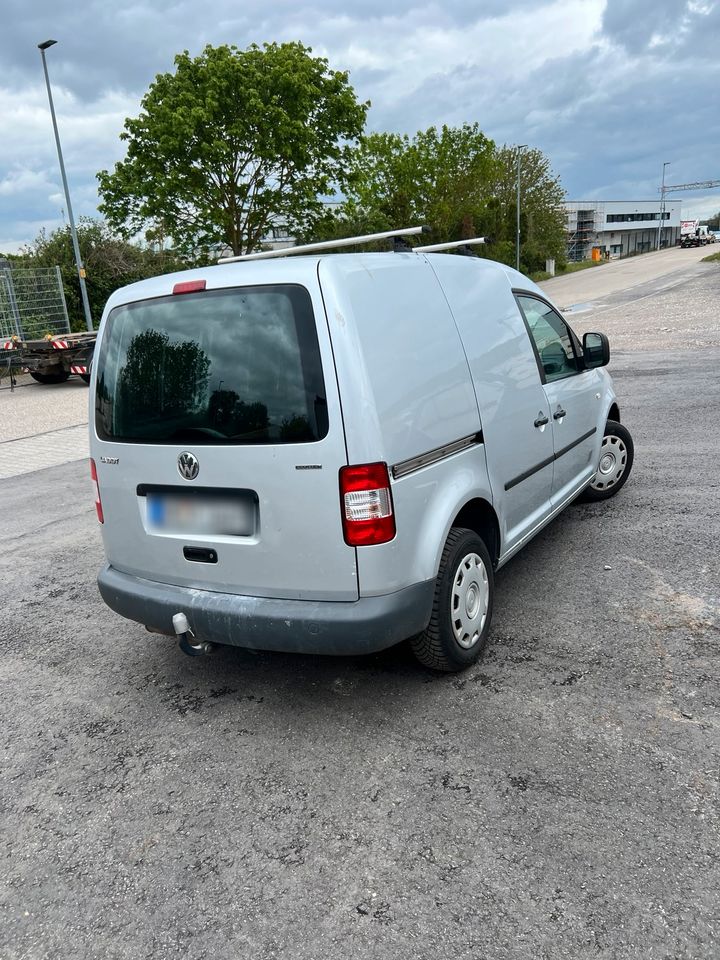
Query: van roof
{"type": "Point", "coordinates": [292, 269]}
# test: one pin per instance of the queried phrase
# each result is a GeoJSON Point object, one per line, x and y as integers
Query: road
{"type": "Point", "coordinates": [561, 799]}
{"type": "Point", "coordinates": [42, 426]}
{"type": "Point", "coordinates": [618, 276]}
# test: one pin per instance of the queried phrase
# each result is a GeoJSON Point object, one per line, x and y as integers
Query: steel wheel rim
{"type": "Point", "coordinates": [469, 600]}
{"type": "Point", "coordinates": [612, 465]}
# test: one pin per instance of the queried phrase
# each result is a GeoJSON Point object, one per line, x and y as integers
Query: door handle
{"type": "Point", "coordinates": [559, 414]}
{"type": "Point", "coordinates": [541, 421]}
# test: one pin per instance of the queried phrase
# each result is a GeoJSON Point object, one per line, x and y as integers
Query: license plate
{"type": "Point", "coordinates": [225, 516]}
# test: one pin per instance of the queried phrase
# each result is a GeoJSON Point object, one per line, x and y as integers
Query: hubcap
{"type": "Point", "coordinates": [470, 598]}
{"type": "Point", "coordinates": [613, 461]}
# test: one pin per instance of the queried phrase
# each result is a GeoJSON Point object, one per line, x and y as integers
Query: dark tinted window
{"type": "Point", "coordinates": [226, 366]}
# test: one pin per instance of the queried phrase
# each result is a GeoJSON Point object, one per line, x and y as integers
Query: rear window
{"type": "Point", "coordinates": [232, 366]}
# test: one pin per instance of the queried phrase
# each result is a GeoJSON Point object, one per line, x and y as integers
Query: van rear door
{"type": "Point", "coordinates": [219, 440]}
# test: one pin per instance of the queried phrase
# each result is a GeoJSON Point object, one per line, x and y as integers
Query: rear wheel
{"type": "Point", "coordinates": [59, 377]}
{"type": "Point", "coordinates": [462, 609]}
{"type": "Point", "coordinates": [617, 453]}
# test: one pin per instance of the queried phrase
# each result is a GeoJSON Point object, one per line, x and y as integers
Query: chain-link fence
{"type": "Point", "coordinates": [32, 303]}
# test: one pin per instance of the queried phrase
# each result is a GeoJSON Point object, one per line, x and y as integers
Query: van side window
{"type": "Point", "coordinates": [553, 342]}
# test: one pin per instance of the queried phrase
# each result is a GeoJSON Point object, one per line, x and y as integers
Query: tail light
{"type": "Point", "coordinates": [367, 507]}
{"type": "Point", "coordinates": [98, 502]}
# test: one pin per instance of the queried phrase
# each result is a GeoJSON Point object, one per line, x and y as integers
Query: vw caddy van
{"type": "Point", "coordinates": [332, 453]}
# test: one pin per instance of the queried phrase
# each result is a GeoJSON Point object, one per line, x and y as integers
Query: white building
{"type": "Point", "coordinates": [619, 227]}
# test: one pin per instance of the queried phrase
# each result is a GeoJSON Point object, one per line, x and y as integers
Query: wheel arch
{"type": "Point", "coordinates": [479, 515]}
{"type": "Point", "coordinates": [614, 412]}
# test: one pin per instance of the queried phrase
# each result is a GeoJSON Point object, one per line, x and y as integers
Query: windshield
{"type": "Point", "coordinates": [226, 366]}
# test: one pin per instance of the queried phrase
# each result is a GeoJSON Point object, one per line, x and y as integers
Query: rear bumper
{"type": "Point", "coordinates": [292, 626]}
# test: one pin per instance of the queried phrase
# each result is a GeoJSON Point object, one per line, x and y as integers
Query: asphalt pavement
{"type": "Point", "coordinates": [614, 276]}
{"type": "Point", "coordinates": [558, 800]}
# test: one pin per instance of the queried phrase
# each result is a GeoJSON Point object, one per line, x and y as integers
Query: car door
{"type": "Point", "coordinates": [513, 406]}
{"type": "Point", "coordinates": [573, 393]}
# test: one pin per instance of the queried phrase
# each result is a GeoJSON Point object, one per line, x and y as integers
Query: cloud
{"type": "Point", "coordinates": [22, 181]}
{"type": "Point", "coordinates": [678, 27]}
{"type": "Point", "coordinates": [609, 90]}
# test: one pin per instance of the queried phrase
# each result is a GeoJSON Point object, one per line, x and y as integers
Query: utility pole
{"type": "Point", "coordinates": [42, 47]}
{"type": "Point", "coordinates": [521, 146]}
{"type": "Point", "coordinates": [661, 222]}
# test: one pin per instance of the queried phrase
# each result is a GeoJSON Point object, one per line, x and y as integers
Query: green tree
{"type": "Point", "coordinates": [229, 142]}
{"type": "Point", "coordinates": [436, 178]}
{"type": "Point", "coordinates": [110, 262]}
{"type": "Point", "coordinates": [457, 182]}
{"type": "Point", "coordinates": [542, 213]}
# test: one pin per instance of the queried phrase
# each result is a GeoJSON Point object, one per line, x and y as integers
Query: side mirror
{"type": "Point", "coordinates": [596, 350]}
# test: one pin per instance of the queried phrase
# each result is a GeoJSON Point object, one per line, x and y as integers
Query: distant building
{"type": "Point", "coordinates": [619, 227]}
{"type": "Point", "coordinates": [279, 236]}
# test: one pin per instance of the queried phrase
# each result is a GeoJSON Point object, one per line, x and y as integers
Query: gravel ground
{"type": "Point", "coordinates": [674, 313]}
{"type": "Point", "coordinates": [558, 800]}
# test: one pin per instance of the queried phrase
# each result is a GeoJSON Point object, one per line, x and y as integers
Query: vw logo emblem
{"type": "Point", "coordinates": [188, 466]}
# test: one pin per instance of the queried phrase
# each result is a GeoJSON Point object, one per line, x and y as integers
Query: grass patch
{"type": "Point", "coordinates": [540, 275]}
{"type": "Point", "coordinates": [713, 258]}
{"type": "Point", "coordinates": [583, 265]}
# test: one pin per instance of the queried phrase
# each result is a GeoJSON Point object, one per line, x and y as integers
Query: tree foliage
{"type": "Point", "coordinates": [457, 182]}
{"type": "Point", "coordinates": [432, 178]}
{"type": "Point", "coordinates": [231, 141]}
{"type": "Point", "coordinates": [110, 262]}
{"type": "Point", "coordinates": [542, 213]}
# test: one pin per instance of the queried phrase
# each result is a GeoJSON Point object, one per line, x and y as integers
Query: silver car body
{"type": "Point", "coordinates": [429, 368]}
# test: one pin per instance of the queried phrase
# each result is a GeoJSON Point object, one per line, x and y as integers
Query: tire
{"type": "Point", "coordinates": [85, 377]}
{"type": "Point", "coordinates": [465, 581]}
{"type": "Point", "coordinates": [59, 377]}
{"type": "Point", "coordinates": [616, 459]}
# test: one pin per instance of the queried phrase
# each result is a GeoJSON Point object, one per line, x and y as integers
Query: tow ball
{"type": "Point", "coordinates": [186, 638]}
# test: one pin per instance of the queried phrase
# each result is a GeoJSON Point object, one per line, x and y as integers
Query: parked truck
{"type": "Point", "coordinates": [693, 233]}
{"type": "Point", "coordinates": [51, 359]}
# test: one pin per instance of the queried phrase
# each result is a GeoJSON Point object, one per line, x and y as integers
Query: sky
{"type": "Point", "coordinates": [608, 89]}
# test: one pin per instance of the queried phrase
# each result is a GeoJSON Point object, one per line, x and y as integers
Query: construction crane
{"type": "Point", "coordinates": [697, 185]}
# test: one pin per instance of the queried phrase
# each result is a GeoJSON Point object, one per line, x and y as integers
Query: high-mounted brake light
{"type": "Point", "coordinates": [366, 503]}
{"type": "Point", "coordinates": [189, 286]}
{"type": "Point", "coordinates": [98, 503]}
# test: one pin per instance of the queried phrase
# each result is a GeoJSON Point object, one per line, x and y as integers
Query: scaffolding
{"type": "Point", "coordinates": [581, 231]}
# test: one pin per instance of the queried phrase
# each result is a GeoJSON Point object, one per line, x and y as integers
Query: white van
{"type": "Point", "coordinates": [333, 453]}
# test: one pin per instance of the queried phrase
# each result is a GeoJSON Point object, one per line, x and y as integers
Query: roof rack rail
{"type": "Point", "coordinates": [452, 245]}
{"type": "Point", "coordinates": [327, 245]}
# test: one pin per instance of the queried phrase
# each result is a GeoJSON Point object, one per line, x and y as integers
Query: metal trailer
{"type": "Point", "coordinates": [52, 359]}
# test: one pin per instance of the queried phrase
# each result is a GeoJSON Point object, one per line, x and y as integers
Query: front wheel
{"type": "Point", "coordinates": [617, 453]}
{"type": "Point", "coordinates": [462, 609]}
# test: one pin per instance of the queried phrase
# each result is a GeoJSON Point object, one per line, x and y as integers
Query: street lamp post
{"type": "Point", "coordinates": [521, 146]}
{"type": "Point", "coordinates": [42, 47]}
{"type": "Point", "coordinates": [661, 223]}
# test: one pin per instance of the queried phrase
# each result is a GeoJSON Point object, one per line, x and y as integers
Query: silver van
{"type": "Point", "coordinates": [333, 453]}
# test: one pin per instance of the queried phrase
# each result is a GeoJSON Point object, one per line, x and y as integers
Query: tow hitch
{"type": "Point", "coordinates": [186, 638]}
